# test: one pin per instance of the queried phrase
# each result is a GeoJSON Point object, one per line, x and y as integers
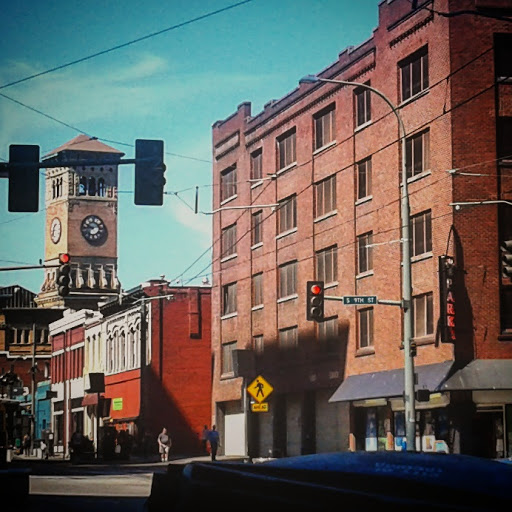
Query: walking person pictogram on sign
{"type": "Point", "coordinates": [259, 389]}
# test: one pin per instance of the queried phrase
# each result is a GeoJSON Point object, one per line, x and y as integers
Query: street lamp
{"type": "Point", "coordinates": [409, 396]}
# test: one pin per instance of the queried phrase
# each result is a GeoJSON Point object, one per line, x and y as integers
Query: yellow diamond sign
{"type": "Point", "coordinates": [259, 389]}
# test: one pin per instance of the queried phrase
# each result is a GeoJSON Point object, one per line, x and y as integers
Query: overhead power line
{"type": "Point", "coordinates": [124, 45]}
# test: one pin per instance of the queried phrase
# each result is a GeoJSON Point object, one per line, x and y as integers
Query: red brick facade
{"type": "Point", "coordinates": [458, 111]}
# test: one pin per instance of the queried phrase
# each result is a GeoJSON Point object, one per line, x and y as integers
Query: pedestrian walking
{"type": "Point", "coordinates": [204, 439]}
{"type": "Point", "coordinates": [26, 444]}
{"type": "Point", "coordinates": [214, 442]}
{"type": "Point", "coordinates": [164, 445]}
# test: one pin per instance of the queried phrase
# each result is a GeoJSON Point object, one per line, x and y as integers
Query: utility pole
{"type": "Point", "coordinates": [409, 394]}
{"type": "Point", "coordinates": [33, 370]}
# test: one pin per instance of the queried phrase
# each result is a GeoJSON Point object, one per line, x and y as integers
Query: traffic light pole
{"type": "Point", "coordinates": [409, 394]}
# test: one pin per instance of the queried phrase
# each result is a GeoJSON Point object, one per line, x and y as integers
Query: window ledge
{"type": "Point", "coordinates": [332, 284]}
{"type": "Point", "coordinates": [419, 176]}
{"type": "Point", "coordinates": [366, 351]}
{"type": "Point", "coordinates": [326, 216]}
{"type": "Point", "coordinates": [230, 257]}
{"type": "Point", "coordinates": [255, 246]}
{"type": "Point", "coordinates": [230, 315]}
{"type": "Point", "coordinates": [257, 308]}
{"type": "Point", "coordinates": [361, 127]}
{"type": "Point", "coordinates": [228, 200]}
{"type": "Point", "coordinates": [421, 257]}
{"type": "Point", "coordinates": [287, 168]}
{"type": "Point", "coordinates": [227, 375]}
{"type": "Point", "coordinates": [362, 275]}
{"type": "Point", "coordinates": [286, 233]}
{"type": "Point", "coordinates": [415, 97]}
{"type": "Point", "coordinates": [288, 298]}
{"type": "Point", "coordinates": [363, 200]}
{"type": "Point", "coordinates": [324, 148]}
{"type": "Point", "coordinates": [257, 184]}
{"type": "Point", "coordinates": [428, 339]}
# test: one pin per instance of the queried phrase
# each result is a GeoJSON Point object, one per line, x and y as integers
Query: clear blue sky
{"type": "Point", "coordinates": [172, 86]}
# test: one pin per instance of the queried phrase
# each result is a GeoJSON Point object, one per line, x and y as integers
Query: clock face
{"type": "Point", "coordinates": [94, 230]}
{"type": "Point", "coordinates": [55, 230]}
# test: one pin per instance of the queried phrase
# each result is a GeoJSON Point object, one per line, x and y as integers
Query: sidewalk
{"type": "Point", "coordinates": [152, 460]}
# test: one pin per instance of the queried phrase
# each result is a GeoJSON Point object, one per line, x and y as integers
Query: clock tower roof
{"type": "Point", "coordinates": [84, 143]}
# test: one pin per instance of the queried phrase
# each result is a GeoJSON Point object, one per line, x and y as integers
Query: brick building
{"type": "Point", "coordinates": [134, 366]}
{"type": "Point", "coordinates": [319, 174]}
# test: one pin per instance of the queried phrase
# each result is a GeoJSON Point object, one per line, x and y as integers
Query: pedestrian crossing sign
{"type": "Point", "coordinates": [259, 389]}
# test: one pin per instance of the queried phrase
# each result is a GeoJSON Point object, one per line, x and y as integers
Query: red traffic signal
{"type": "Point", "coordinates": [63, 274]}
{"type": "Point", "coordinates": [316, 289]}
{"type": "Point", "coordinates": [315, 301]}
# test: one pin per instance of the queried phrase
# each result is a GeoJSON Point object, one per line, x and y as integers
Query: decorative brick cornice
{"type": "Point", "coordinates": [414, 28]}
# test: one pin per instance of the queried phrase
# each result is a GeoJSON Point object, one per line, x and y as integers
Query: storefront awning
{"type": "Point", "coordinates": [481, 374]}
{"type": "Point", "coordinates": [390, 383]}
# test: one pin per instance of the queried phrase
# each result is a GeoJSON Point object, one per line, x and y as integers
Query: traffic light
{"type": "Point", "coordinates": [506, 258]}
{"type": "Point", "coordinates": [63, 274]}
{"type": "Point", "coordinates": [149, 172]}
{"type": "Point", "coordinates": [23, 169]}
{"type": "Point", "coordinates": [315, 301]}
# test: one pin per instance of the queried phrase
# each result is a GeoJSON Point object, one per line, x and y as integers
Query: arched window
{"type": "Point", "coordinates": [101, 187]}
{"type": "Point", "coordinates": [82, 186]}
{"type": "Point", "coordinates": [60, 189]}
{"type": "Point", "coordinates": [54, 191]}
{"type": "Point", "coordinates": [92, 186]}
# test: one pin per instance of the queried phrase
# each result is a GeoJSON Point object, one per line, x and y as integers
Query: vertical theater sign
{"type": "Point", "coordinates": [447, 299]}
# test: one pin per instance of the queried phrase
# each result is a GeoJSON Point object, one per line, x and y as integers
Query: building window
{"type": "Point", "coordinates": [324, 126]}
{"type": "Point", "coordinates": [365, 322]}
{"type": "Point", "coordinates": [286, 153]}
{"type": "Point", "coordinates": [288, 338]}
{"type": "Point", "coordinates": [257, 289]}
{"type": "Point", "coordinates": [363, 105]}
{"type": "Point", "coordinates": [364, 178]}
{"type": "Point", "coordinates": [257, 228]}
{"type": "Point", "coordinates": [82, 186]}
{"type": "Point", "coordinates": [287, 214]}
{"type": "Point", "coordinates": [417, 154]}
{"type": "Point", "coordinates": [422, 315]}
{"type": "Point", "coordinates": [327, 265]}
{"type": "Point", "coordinates": [92, 186]}
{"type": "Point", "coordinates": [228, 183]}
{"type": "Point", "coordinates": [228, 241]}
{"type": "Point", "coordinates": [365, 252]}
{"type": "Point", "coordinates": [256, 165]}
{"type": "Point", "coordinates": [229, 299]}
{"type": "Point", "coordinates": [421, 232]}
{"type": "Point", "coordinates": [101, 187]}
{"type": "Point", "coordinates": [288, 279]}
{"type": "Point", "coordinates": [325, 196]}
{"type": "Point", "coordinates": [258, 344]}
{"type": "Point", "coordinates": [414, 73]}
{"type": "Point", "coordinates": [227, 357]}
{"type": "Point", "coordinates": [328, 334]}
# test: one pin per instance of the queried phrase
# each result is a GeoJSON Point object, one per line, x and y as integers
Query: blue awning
{"type": "Point", "coordinates": [390, 383]}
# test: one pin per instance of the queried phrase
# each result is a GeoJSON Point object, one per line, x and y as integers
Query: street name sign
{"type": "Point", "coordinates": [356, 300]}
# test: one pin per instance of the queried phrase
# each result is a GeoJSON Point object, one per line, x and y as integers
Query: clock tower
{"type": "Point", "coordinates": [81, 220]}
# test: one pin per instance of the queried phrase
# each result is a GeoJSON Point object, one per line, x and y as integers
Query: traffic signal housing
{"type": "Point", "coordinates": [23, 170]}
{"type": "Point", "coordinates": [506, 258]}
{"type": "Point", "coordinates": [64, 274]}
{"type": "Point", "coordinates": [149, 172]}
{"type": "Point", "coordinates": [315, 301]}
